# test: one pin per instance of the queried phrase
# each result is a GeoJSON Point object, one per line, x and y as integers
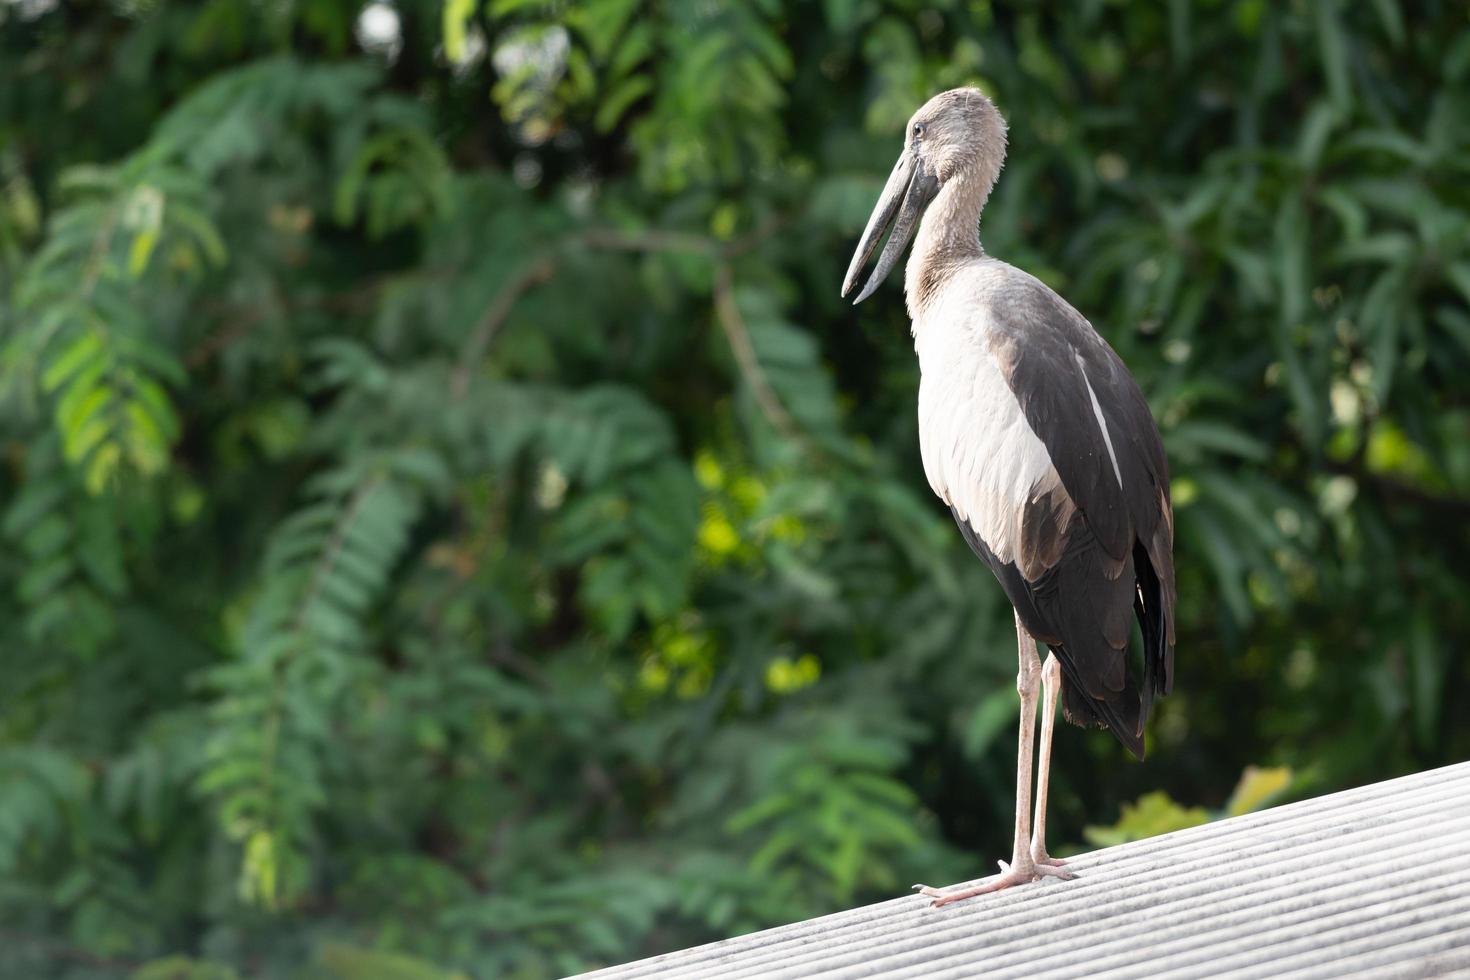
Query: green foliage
{"type": "Point", "coordinates": [183, 968]}
{"type": "Point", "coordinates": [834, 814]}
{"type": "Point", "coordinates": [1155, 813]}
{"type": "Point", "coordinates": [1148, 816]}
{"type": "Point", "coordinates": [88, 343]}
{"type": "Point", "coordinates": [454, 528]}
{"type": "Point", "coordinates": [325, 566]}
{"type": "Point", "coordinates": [1257, 787]}
{"type": "Point", "coordinates": [343, 962]}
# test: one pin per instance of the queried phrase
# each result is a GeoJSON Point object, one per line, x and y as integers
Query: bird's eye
{"type": "Point", "coordinates": [918, 130]}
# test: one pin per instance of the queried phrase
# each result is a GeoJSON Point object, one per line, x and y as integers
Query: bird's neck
{"type": "Point", "coordinates": [949, 237]}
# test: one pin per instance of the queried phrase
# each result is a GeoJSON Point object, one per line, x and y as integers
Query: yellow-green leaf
{"type": "Point", "coordinates": [77, 355]}
{"type": "Point", "coordinates": [103, 465]}
{"type": "Point", "coordinates": [259, 876]}
{"type": "Point", "coordinates": [85, 428]}
{"type": "Point", "coordinates": [457, 14]}
{"type": "Point", "coordinates": [1152, 814]}
{"type": "Point", "coordinates": [141, 250]}
{"type": "Point", "coordinates": [617, 102]}
{"type": "Point", "coordinates": [1258, 785]}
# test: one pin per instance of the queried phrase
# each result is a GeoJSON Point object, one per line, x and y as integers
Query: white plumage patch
{"type": "Point", "coordinates": [1101, 422]}
{"type": "Point", "coordinates": [980, 454]}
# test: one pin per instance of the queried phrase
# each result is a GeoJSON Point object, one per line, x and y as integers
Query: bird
{"type": "Point", "coordinates": [1037, 437]}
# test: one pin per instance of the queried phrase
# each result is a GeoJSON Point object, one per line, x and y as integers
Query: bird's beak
{"type": "Point", "coordinates": [909, 190]}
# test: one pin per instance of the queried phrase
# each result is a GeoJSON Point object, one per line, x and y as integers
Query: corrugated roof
{"type": "Point", "coordinates": [1371, 882]}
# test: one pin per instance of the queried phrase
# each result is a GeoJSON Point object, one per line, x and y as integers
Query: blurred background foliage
{"type": "Point", "coordinates": [452, 527]}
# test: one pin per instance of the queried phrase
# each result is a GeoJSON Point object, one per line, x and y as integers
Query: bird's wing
{"type": "Point", "coordinates": [1085, 408]}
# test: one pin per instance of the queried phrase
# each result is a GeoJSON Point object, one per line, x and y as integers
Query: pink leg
{"type": "Point", "coordinates": [1051, 687]}
{"type": "Point", "coordinates": [1022, 867]}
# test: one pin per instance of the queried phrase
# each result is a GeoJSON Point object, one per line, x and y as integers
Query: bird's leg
{"type": "Point", "coordinates": [1051, 686]}
{"type": "Point", "coordinates": [1021, 868]}
{"type": "Point", "coordinates": [1028, 679]}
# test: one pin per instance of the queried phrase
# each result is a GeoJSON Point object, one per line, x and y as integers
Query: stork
{"type": "Point", "coordinates": [1034, 433]}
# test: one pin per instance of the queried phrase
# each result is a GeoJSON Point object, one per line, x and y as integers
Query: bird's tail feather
{"type": "Point", "coordinates": [1148, 608]}
{"type": "Point", "coordinates": [1119, 713]}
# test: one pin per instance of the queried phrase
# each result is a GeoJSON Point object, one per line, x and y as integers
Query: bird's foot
{"type": "Point", "coordinates": [1040, 857]}
{"type": "Point", "coordinates": [1010, 874]}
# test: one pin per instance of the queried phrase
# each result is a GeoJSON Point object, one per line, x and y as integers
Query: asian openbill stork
{"type": "Point", "coordinates": [1034, 433]}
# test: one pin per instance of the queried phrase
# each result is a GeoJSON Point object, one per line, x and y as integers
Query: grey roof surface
{"type": "Point", "coordinates": [1370, 882]}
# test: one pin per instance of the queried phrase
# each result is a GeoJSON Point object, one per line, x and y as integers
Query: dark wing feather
{"type": "Point", "coordinates": [1057, 609]}
{"type": "Point", "coordinates": [1116, 550]}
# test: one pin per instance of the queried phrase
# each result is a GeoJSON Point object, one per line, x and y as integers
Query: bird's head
{"type": "Point", "coordinates": [956, 136]}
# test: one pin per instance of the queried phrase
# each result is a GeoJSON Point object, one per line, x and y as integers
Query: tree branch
{"type": "Point", "coordinates": [738, 336]}
{"type": "Point", "coordinates": [537, 272]}
{"type": "Point", "coordinates": [727, 312]}
{"type": "Point", "coordinates": [655, 240]}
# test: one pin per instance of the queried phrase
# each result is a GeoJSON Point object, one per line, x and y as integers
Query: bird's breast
{"type": "Point", "coordinates": [980, 454]}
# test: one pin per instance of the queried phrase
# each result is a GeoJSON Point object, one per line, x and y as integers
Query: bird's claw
{"type": "Point", "coordinates": [1049, 868]}
{"type": "Point", "coordinates": [1008, 876]}
{"type": "Point", "coordinates": [1053, 870]}
{"type": "Point", "coordinates": [1041, 857]}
